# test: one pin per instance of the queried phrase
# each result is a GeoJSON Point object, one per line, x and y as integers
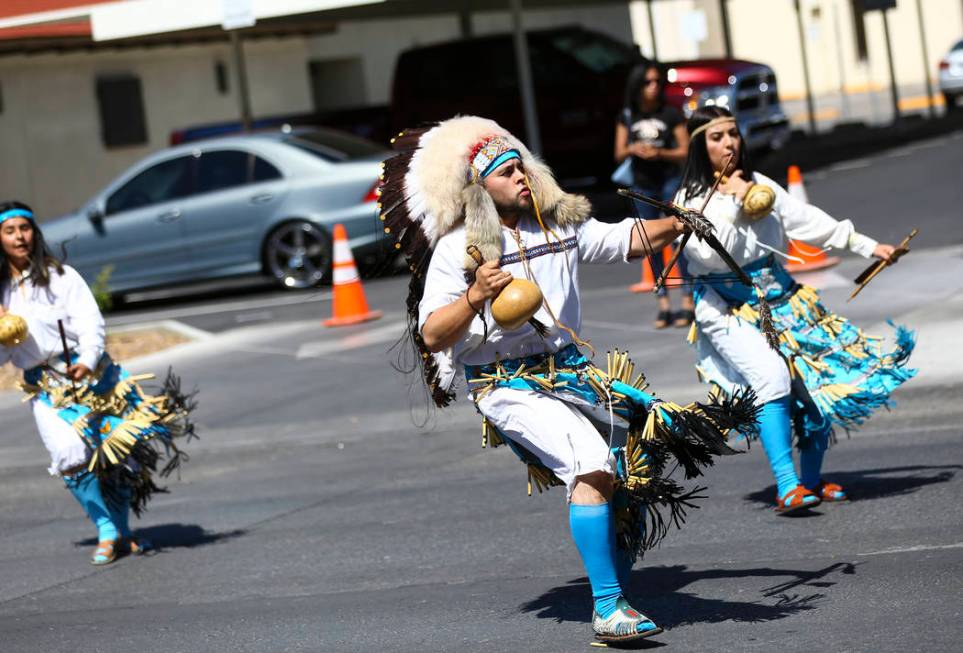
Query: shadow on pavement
{"type": "Point", "coordinates": [657, 591]}
{"type": "Point", "coordinates": [176, 536]}
{"type": "Point", "coordinates": [869, 484]}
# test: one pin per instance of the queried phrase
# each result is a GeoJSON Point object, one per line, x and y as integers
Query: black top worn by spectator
{"type": "Point", "coordinates": [656, 129]}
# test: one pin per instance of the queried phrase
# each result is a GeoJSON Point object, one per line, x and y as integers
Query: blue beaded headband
{"type": "Point", "coordinates": [16, 213]}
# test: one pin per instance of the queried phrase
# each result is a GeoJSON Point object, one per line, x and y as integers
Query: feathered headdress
{"type": "Point", "coordinates": [434, 184]}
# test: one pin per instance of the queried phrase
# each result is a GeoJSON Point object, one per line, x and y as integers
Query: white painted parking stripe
{"type": "Point", "coordinates": [386, 333]}
{"type": "Point", "coordinates": [914, 549]}
{"type": "Point", "coordinates": [212, 309]}
{"type": "Point", "coordinates": [850, 165]}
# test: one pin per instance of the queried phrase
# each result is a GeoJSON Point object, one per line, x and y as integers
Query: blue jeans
{"type": "Point", "coordinates": [649, 212]}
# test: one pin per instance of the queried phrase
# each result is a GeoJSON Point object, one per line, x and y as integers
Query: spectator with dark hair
{"type": "Point", "coordinates": [653, 133]}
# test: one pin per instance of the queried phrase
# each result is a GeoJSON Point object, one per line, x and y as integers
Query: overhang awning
{"type": "Point", "coordinates": [119, 20]}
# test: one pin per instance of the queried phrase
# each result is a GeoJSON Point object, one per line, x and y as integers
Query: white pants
{"type": "Point", "coordinates": [562, 438]}
{"type": "Point", "coordinates": [66, 448]}
{"type": "Point", "coordinates": [746, 358]}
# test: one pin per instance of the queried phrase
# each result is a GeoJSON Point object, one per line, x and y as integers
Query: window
{"type": "Point", "coordinates": [121, 105]}
{"type": "Point", "coordinates": [160, 183]}
{"type": "Point", "coordinates": [222, 169]}
{"type": "Point", "coordinates": [220, 78]}
{"type": "Point", "coordinates": [264, 171]}
{"type": "Point", "coordinates": [598, 54]}
{"type": "Point", "coordinates": [334, 146]}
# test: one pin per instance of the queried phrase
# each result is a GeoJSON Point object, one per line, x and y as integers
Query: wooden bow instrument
{"type": "Point", "coordinates": [870, 273]}
{"type": "Point", "coordinates": [63, 342]}
{"type": "Point", "coordinates": [696, 223]}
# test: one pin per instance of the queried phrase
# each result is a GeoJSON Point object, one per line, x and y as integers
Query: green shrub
{"type": "Point", "coordinates": [101, 289]}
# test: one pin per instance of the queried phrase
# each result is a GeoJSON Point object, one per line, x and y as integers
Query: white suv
{"type": "Point", "coordinates": [951, 76]}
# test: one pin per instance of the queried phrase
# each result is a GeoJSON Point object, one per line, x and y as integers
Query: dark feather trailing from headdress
{"type": "Point", "coordinates": [417, 249]}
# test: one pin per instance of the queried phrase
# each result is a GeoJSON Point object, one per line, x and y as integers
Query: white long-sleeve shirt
{"type": "Point", "coordinates": [749, 240]}
{"type": "Point", "coordinates": [555, 273]}
{"type": "Point", "coordinates": [67, 298]}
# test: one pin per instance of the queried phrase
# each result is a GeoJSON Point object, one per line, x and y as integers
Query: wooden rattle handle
{"type": "Point", "coordinates": [476, 254]}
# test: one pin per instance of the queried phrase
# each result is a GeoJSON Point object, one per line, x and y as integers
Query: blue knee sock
{"type": "Point", "coordinates": [86, 489]}
{"type": "Point", "coordinates": [776, 435]}
{"type": "Point", "coordinates": [595, 538]}
{"type": "Point", "coordinates": [811, 458]}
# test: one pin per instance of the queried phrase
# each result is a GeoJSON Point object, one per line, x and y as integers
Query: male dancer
{"type": "Point", "coordinates": [467, 184]}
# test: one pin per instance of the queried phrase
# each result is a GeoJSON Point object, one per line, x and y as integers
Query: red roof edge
{"type": "Point", "coordinates": [79, 28]}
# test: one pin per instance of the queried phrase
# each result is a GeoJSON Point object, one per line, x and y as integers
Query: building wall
{"type": "Point", "coordinates": [768, 32]}
{"type": "Point", "coordinates": [831, 42]}
{"type": "Point", "coordinates": [51, 154]}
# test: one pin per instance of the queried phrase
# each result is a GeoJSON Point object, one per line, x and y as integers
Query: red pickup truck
{"type": "Point", "coordinates": [747, 89]}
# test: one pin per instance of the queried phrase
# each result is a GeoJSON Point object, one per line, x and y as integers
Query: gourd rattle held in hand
{"type": "Point", "coordinates": [758, 200]}
{"type": "Point", "coordinates": [13, 330]}
{"type": "Point", "coordinates": [516, 303]}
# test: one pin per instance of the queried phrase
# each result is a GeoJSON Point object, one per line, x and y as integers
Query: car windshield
{"type": "Point", "coordinates": [957, 47]}
{"type": "Point", "coordinates": [334, 146]}
{"type": "Point", "coordinates": [597, 54]}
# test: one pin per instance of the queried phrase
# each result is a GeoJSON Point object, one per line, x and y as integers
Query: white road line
{"type": "Point", "coordinates": [255, 316]}
{"type": "Point", "coordinates": [901, 152]}
{"type": "Point", "coordinates": [822, 279]}
{"type": "Point", "coordinates": [386, 333]}
{"type": "Point", "coordinates": [173, 325]}
{"type": "Point", "coordinates": [225, 307]}
{"type": "Point", "coordinates": [914, 549]}
{"type": "Point", "coordinates": [850, 165]}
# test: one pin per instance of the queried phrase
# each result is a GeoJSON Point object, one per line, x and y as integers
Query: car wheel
{"type": "Point", "coordinates": [298, 255]}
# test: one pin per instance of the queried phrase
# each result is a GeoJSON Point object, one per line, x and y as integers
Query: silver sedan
{"type": "Point", "coordinates": [951, 77]}
{"type": "Point", "coordinates": [257, 203]}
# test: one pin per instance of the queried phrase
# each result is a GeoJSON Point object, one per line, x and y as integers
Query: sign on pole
{"type": "Point", "coordinates": [694, 26]}
{"type": "Point", "coordinates": [238, 14]}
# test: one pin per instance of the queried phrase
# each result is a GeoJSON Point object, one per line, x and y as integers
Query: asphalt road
{"type": "Point", "coordinates": [314, 515]}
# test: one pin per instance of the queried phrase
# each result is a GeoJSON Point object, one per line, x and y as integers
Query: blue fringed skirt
{"type": "Point", "coordinates": [843, 372]}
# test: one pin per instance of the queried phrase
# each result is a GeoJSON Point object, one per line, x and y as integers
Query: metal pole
{"type": "Point", "coordinates": [243, 92]}
{"type": "Point", "coordinates": [843, 98]}
{"type": "Point", "coordinates": [655, 48]}
{"type": "Point", "coordinates": [926, 61]}
{"type": "Point", "coordinates": [726, 35]}
{"type": "Point", "coordinates": [894, 94]}
{"type": "Point", "coordinates": [464, 21]}
{"type": "Point", "coordinates": [805, 62]}
{"type": "Point", "coordinates": [524, 68]}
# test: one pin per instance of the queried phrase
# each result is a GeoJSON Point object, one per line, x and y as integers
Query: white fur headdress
{"type": "Point", "coordinates": [429, 188]}
{"type": "Point", "coordinates": [431, 184]}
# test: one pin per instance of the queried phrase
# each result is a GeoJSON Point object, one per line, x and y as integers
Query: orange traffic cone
{"type": "Point", "coordinates": [813, 258]}
{"type": "Point", "coordinates": [648, 278]}
{"type": "Point", "coordinates": [349, 305]}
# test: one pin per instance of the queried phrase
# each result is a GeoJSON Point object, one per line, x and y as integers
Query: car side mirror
{"type": "Point", "coordinates": [96, 216]}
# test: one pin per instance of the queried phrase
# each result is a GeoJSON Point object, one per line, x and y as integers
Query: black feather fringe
{"type": "Point", "coordinates": [132, 481]}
